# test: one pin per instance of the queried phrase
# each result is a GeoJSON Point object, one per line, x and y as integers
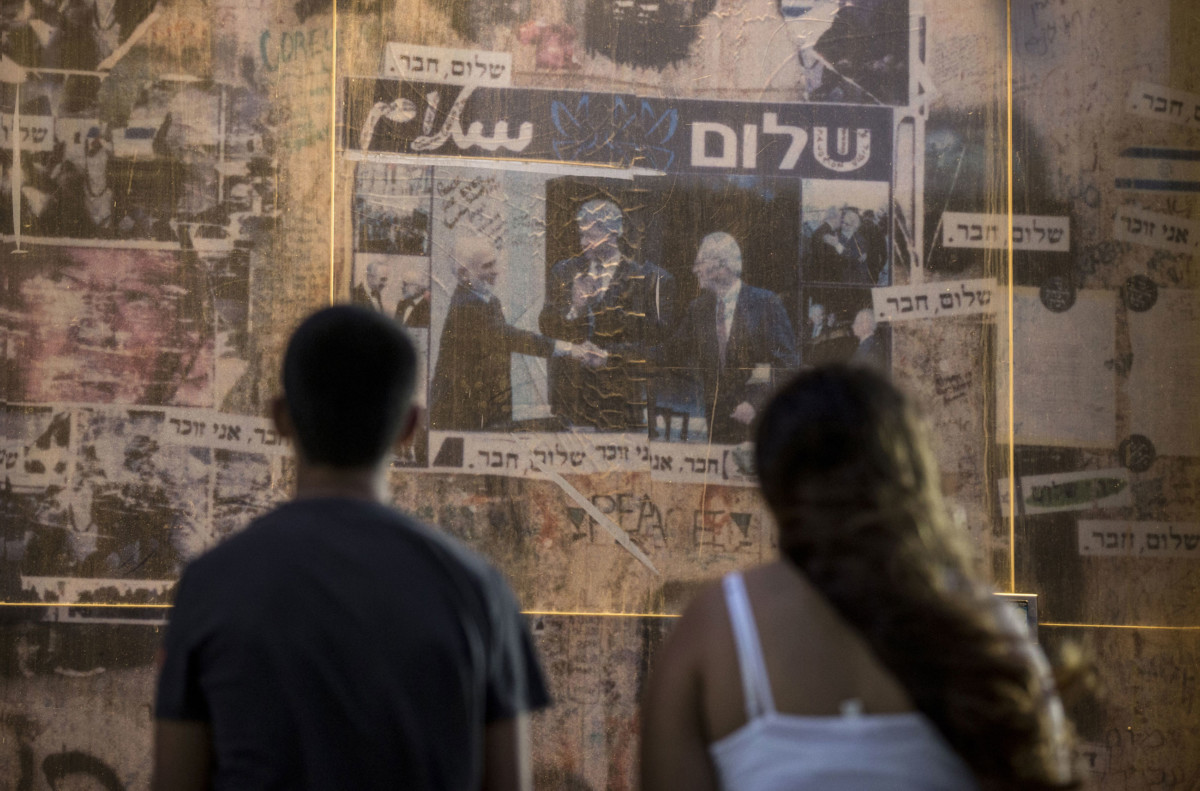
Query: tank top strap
{"type": "Point", "coordinates": [756, 686]}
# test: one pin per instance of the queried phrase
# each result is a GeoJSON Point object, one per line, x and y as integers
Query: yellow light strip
{"type": "Point", "coordinates": [1119, 626]}
{"type": "Point", "coordinates": [84, 604]}
{"type": "Point", "coordinates": [601, 614]}
{"type": "Point", "coordinates": [333, 154]}
{"type": "Point", "coordinates": [1012, 446]}
{"type": "Point", "coordinates": [169, 606]}
{"type": "Point", "coordinates": [586, 614]}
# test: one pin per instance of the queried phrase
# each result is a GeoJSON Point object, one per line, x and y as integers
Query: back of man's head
{"type": "Point", "coordinates": [348, 379]}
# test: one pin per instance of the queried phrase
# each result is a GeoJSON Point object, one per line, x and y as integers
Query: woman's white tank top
{"type": "Point", "coordinates": [853, 752]}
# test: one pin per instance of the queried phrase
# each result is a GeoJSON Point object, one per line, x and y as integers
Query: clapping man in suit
{"type": "Point", "coordinates": [605, 296]}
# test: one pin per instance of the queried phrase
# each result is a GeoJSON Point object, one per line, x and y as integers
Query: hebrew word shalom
{"type": "Point", "coordinates": [786, 139]}
{"type": "Point", "coordinates": [1140, 539]}
{"type": "Point", "coordinates": [35, 133]}
{"type": "Point", "coordinates": [1154, 229]}
{"type": "Point", "coordinates": [1166, 104]}
{"type": "Point", "coordinates": [990, 231]}
{"type": "Point", "coordinates": [1068, 491]}
{"type": "Point", "coordinates": [952, 298]}
{"type": "Point", "coordinates": [411, 116]}
{"type": "Point", "coordinates": [453, 66]}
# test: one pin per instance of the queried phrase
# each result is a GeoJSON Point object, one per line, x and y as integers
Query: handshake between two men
{"type": "Point", "coordinates": [586, 353]}
{"type": "Point", "coordinates": [471, 388]}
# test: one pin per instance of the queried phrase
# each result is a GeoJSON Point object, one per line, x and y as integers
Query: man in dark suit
{"type": "Point", "coordinates": [737, 338]}
{"type": "Point", "coordinates": [369, 293]}
{"type": "Point", "coordinates": [870, 350]}
{"type": "Point", "coordinates": [874, 239]}
{"type": "Point", "coordinates": [839, 254]}
{"type": "Point", "coordinates": [413, 308]}
{"type": "Point", "coordinates": [606, 297]}
{"type": "Point", "coordinates": [472, 380]}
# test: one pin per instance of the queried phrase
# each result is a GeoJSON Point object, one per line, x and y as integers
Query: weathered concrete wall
{"type": "Point", "coordinates": [183, 181]}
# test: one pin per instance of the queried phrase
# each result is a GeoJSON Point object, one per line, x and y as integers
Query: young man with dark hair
{"type": "Point", "coordinates": [335, 642]}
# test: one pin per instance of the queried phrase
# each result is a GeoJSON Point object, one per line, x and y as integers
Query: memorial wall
{"type": "Point", "coordinates": [999, 205]}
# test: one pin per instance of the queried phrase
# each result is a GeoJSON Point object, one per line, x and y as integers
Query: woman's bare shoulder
{"type": "Point", "coordinates": [705, 611]}
{"type": "Point", "coordinates": [700, 630]}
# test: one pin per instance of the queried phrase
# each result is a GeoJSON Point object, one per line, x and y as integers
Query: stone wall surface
{"type": "Point", "coordinates": [182, 181]}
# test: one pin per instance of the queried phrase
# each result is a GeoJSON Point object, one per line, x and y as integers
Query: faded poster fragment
{"type": "Point", "coordinates": [1064, 394]}
{"type": "Point", "coordinates": [1163, 331]}
{"type": "Point", "coordinates": [101, 325]}
{"type": "Point", "coordinates": [1067, 491]}
{"type": "Point", "coordinates": [1139, 539]}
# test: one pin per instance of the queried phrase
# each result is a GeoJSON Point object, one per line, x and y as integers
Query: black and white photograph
{"type": "Point", "coordinates": [816, 50]}
{"type": "Point", "coordinates": [391, 209]}
{"type": "Point", "coordinates": [845, 232]}
{"type": "Point", "coordinates": [70, 34]}
{"type": "Point", "coordinates": [133, 327]}
{"type": "Point", "coordinates": [395, 285]}
{"type": "Point", "coordinates": [673, 365]}
{"type": "Point", "coordinates": [247, 486]}
{"type": "Point", "coordinates": [147, 170]}
{"type": "Point", "coordinates": [57, 159]}
{"type": "Point", "coordinates": [133, 492]}
{"type": "Point", "coordinates": [839, 326]}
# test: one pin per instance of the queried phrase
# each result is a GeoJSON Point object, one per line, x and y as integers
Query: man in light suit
{"type": "Point", "coordinates": [472, 380]}
{"type": "Point", "coordinates": [736, 337]}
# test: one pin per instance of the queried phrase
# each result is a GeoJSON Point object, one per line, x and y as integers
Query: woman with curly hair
{"type": "Point", "coordinates": [872, 654]}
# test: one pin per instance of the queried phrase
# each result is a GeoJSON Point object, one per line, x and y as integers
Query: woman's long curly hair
{"type": "Point", "coordinates": [849, 473]}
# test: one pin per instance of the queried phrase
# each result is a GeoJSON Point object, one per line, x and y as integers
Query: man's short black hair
{"type": "Point", "coordinates": [348, 378]}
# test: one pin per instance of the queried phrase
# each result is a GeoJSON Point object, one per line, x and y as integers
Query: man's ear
{"type": "Point", "coordinates": [282, 417]}
{"type": "Point", "coordinates": [411, 421]}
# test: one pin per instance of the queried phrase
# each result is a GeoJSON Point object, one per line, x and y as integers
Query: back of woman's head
{"type": "Point", "coordinates": [847, 470]}
{"type": "Point", "coordinates": [841, 449]}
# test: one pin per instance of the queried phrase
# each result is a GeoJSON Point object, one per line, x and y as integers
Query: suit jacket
{"type": "Point", "coordinates": [360, 296]}
{"type": "Point", "coordinates": [472, 381]}
{"type": "Point", "coordinates": [830, 266]}
{"type": "Point", "coordinates": [832, 345]}
{"type": "Point", "coordinates": [760, 334]}
{"type": "Point", "coordinates": [418, 316]}
{"type": "Point", "coordinates": [629, 318]}
{"type": "Point", "coordinates": [870, 352]}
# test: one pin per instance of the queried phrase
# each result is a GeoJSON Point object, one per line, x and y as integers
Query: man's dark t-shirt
{"type": "Point", "coordinates": [336, 643]}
